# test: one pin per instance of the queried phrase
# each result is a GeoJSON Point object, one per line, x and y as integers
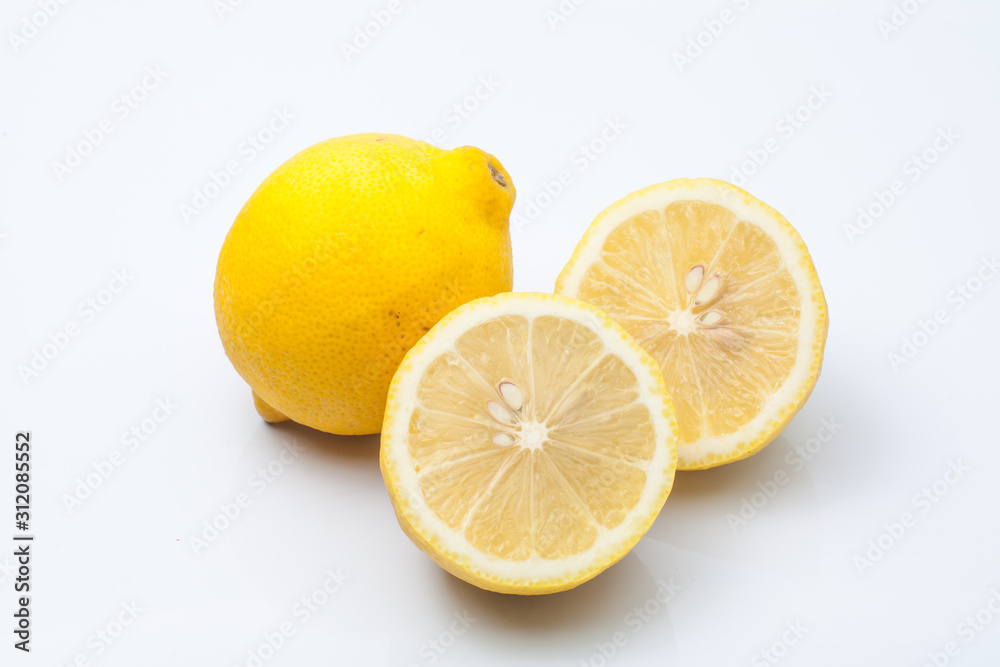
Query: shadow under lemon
{"type": "Point", "coordinates": [761, 512]}
{"type": "Point", "coordinates": [626, 602]}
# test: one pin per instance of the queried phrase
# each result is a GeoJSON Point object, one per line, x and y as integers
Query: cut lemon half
{"type": "Point", "coordinates": [720, 290]}
{"type": "Point", "coordinates": [528, 443]}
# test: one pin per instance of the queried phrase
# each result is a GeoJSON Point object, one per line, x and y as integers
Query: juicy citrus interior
{"type": "Point", "coordinates": [538, 444]}
{"type": "Point", "coordinates": [714, 297]}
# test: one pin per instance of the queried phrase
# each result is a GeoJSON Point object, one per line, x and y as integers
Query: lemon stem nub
{"type": "Point", "coordinates": [497, 176]}
{"type": "Point", "coordinates": [269, 414]}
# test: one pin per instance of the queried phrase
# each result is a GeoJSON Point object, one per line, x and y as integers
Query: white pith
{"type": "Point", "coordinates": [791, 250]}
{"type": "Point", "coordinates": [410, 502]}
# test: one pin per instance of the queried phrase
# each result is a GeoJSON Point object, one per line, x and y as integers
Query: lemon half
{"type": "Point", "coordinates": [720, 289]}
{"type": "Point", "coordinates": [528, 443]}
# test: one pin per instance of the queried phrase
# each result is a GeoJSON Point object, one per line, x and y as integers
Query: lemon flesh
{"type": "Point", "coordinates": [528, 443]}
{"type": "Point", "coordinates": [721, 291]}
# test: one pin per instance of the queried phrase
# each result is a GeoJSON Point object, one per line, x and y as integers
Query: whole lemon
{"type": "Point", "coordinates": [343, 258]}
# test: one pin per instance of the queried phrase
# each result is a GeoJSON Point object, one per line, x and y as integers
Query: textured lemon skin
{"type": "Point", "coordinates": [752, 442]}
{"type": "Point", "coordinates": [409, 519]}
{"type": "Point", "coordinates": [343, 258]}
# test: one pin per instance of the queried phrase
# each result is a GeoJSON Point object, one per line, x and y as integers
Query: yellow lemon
{"type": "Point", "coordinates": [719, 288]}
{"type": "Point", "coordinates": [528, 443]}
{"type": "Point", "coordinates": [343, 258]}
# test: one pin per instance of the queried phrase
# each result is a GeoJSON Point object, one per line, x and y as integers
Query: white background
{"type": "Point", "coordinates": [556, 85]}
